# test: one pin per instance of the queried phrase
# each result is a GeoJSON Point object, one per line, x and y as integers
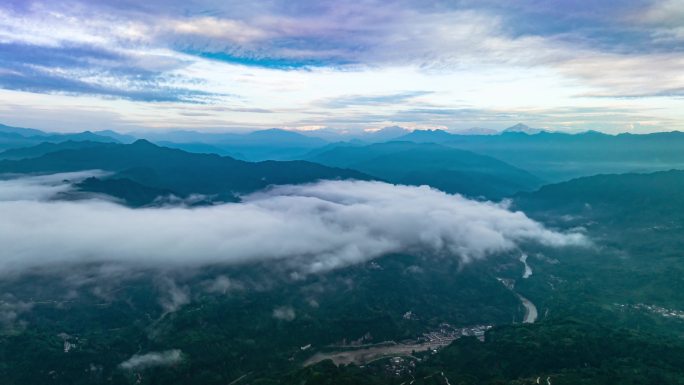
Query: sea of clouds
{"type": "Point", "coordinates": [313, 227]}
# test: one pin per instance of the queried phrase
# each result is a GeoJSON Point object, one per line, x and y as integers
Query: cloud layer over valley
{"type": "Point", "coordinates": [311, 228]}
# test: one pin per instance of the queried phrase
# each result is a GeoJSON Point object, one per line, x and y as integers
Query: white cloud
{"type": "Point", "coordinates": [11, 309]}
{"type": "Point", "coordinates": [152, 359]}
{"type": "Point", "coordinates": [469, 57]}
{"type": "Point", "coordinates": [312, 228]}
{"type": "Point", "coordinates": [222, 285]}
{"type": "Point", "coordinates": [173, 296]}
{"type": "Point", "coordinates": [41, 187]}
{"type": "Point", "coordinates": [620, 75]}
{"type": "Point", "coordinates": [223, 30]}
{"type": "Point", "coordinates": [665, 13]}
{"type": "Point", "coordinates": [284, 313]}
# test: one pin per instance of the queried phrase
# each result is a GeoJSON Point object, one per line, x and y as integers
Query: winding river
{"type": "Point", "coordinates": [384, 350]}
{"type": "Point", "coordinates": [531, 313]}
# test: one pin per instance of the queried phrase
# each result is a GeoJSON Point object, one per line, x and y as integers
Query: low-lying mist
{"type": "Point", "coordinates": [312, 228]}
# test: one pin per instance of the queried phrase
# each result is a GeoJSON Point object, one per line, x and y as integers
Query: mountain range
{"type": "Point", "coordinates": [544, 155]}
{"type": "Point", "coordinates": [607, 309]}
{"type": "Point", "coordinates": [448, 169]}
{"type": "Point", "coordinates": [180, 172]}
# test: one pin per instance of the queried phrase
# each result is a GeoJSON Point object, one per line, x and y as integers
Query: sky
{"type": "Point", "coordinates": [74, 65]}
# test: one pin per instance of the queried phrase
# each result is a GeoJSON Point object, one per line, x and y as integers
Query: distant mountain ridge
{"type": "Point", "coordinates": [558, 156]}
{"type": "Point", "coordinates": [47, 147]}
{"type": "Point", "coordinates": [448, 169]}
{"type": "Point", "coordinates": [427, 136]}
{"type": "Point", "coordinates": [21, 131]}
{"type": "Point", "coordinates": [366, 136]}
{"type": "Point", "coordinates": [523, 128]}
{"type": "Point", "coordinates": [552, 156]}
{"type": "Point", "coordinates": [181, 172]}
{"type": "Point", "coordinates": [270, 144]}
{"type": "Point", "coordinates": [476, 131]}
{"type": "Point", "coordinates": [16, 137]}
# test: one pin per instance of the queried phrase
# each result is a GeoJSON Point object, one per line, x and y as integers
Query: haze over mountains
{"type": "Point", "coordinates": [278, 257]}
{"type": "Point", "coordinates": [376, 192]}
{"type": "Point", "coordinates": [550, 156]}
{"type": "Point", "coordinates": [13, 137]}
{"type": "Point", "coordinates": [448, 169]}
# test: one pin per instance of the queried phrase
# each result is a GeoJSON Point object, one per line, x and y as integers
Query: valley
{"type": "Point", "coordinates": [354, 285]}
{"type": "Point", "coordinates": [376, 192]}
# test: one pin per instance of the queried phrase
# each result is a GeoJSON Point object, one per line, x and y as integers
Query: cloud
{"type": "Point", "coordinates": [42, 187]}
{"type": "Point", "coordinates": [371, 100]}
{"type": "Point", "coordinates": [173, 296]}
{"type": "Point", "coordinates": [77, 50]}
{"type": "Point", "coordinates": [229, 31]}
{"type": "Point", "coordinates": [89, 54]}
{"type": "Point", "coordinates": [663, 13]}
{"type": "Point", "coordinates": [11, 309]}
{"type": "Point", "coordinates": [311, 228]}
{"type": "Point", "coordinates": [152, 359]}
{"type": "Point", "coordinates": [94, 71]}
{"type": "Point", "coordinates": [222, 285]}
{"type": "Point", "coordinates": [284, 313]}
{"type": "Point", "coordinates": [628, 75]}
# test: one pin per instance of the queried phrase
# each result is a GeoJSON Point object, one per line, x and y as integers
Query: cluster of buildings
{"type": "Point", "coordinates": [400, 366]}
{"type": "Point", "coordinates": [670, 313]}
{"type": "Point", "coordinates": [69, 344]}
{"type": "Point", "coordinates": [447, 333]}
